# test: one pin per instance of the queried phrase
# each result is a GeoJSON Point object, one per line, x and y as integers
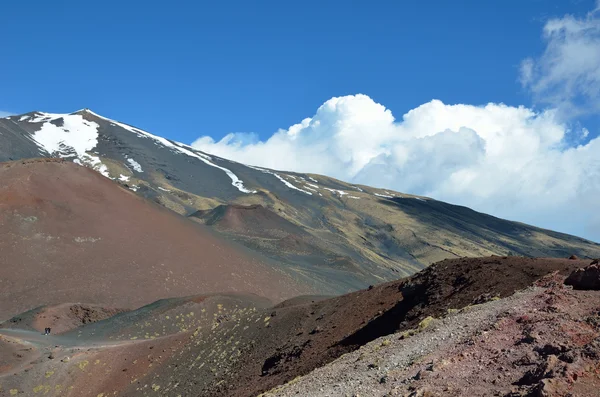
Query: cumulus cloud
{"type": "Point", "coordinates": [567, 74]}
{"type": "Point", "coordinates": [536, 166]}
{"type": "Point", "coordinates": [512, 162]}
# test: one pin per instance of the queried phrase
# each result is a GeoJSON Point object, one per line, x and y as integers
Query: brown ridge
{"type": "Point", "coordinates": [68, 234]}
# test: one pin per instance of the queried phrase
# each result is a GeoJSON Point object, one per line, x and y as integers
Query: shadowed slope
{"type": "Point", "coordinates": [68, 234]}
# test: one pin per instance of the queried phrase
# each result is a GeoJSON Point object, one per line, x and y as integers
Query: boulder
{"type": "Point", "coordinates": [587, 278]}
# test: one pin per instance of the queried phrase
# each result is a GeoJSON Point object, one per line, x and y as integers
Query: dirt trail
{"type": "Point", "coordinates": [37, 344]}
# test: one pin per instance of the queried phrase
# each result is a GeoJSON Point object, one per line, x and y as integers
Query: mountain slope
{"type": "Point", "coordinates": [335, 235]}
{"type": "Point", "coordinates": [68, 234]}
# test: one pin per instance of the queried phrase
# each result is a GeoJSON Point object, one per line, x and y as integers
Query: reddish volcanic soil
{"type": "Point", "coordinates": [236, 345]}
{"type": "Point", "coordinates": [543, 341]}
{"type": "Point", "coordinates": [68, 234]}
{"type": "Point", "coordinates": [307, 336]}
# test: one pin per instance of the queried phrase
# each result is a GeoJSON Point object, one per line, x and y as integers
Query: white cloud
{"type": "Point", "coordinates": [535, 166]}
{"type": "Point", "coordinates": [567, 74]}
{"type": "Point", "coordinates": [4, 114]}
{"type": "Point", "coordinates": [512, 162]}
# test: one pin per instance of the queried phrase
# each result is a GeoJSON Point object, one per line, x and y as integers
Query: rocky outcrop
{"type": "Point", "coordinates": [587, 278]}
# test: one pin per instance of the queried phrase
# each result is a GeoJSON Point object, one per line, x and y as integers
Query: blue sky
{"type": "Point", "coordinates": [183, 69]}
{"type": "Point", "coordinates": [489, 104]}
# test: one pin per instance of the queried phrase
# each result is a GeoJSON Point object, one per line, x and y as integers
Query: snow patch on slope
{"type": "Point", "coordinates": [288, 184]}
{"type": "Point", "coordinates": [181, 148]}
{"type": "Point", "coordinates": [276, 175]}
{"type": "Point", "coordinates": [73, 139]}
{"type": "Point", "coordinates": [340, 192]}
{"type": "Point", "coordinates": [135, 165]}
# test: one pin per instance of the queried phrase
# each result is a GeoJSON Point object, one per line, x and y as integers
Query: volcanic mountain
{"type": "Point", "coordinates": [333, 236]}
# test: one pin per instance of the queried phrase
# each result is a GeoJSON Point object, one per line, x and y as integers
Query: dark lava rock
{"type": "Point", "coordinates": [585, 278]}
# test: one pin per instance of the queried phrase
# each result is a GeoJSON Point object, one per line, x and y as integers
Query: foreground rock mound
{"type": "Point", "coordinates": [587, 278]}
{"type": "Point", "coordinates": [446, 326]}
{"type": "Point", "coordinates": [543, 341]}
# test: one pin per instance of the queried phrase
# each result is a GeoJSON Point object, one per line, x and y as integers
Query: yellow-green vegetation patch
{"type": "Point", "coordinates": [83, 364]}
{"type": "Point", "coordinates": [49, 373]}
{"type": "Point", "coordinates": [426, 322]}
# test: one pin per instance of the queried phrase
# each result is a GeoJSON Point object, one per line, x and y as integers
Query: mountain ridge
{"type": "Point", "coordinates": [353, 235]}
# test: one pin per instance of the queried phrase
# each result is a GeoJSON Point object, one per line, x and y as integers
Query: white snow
{"type": "Point", "coordinates": [135, 165]}
{"type": "Point", "coordinates": [182, 148]}
{"type": "Point", "coordinates": [286, 183]}
{"type": "Point", "coordinates": [354, 197]}
{"type": "Point", "coordinates": [123, 178]}
{"type": "Point", "coordinates": [310, 188]}
{"type": "Point", "coordinates": [289, 184]}
{"type": "Point", "coordinates": [23, 118]}
{"type": "Point", "coordinates": [359, 189]}
{"type": "Point", "coordinates": [163, 189]}
{"type": "Point", "coordinates": [340, 192]}
{"type": "Point", "coordinates": [383, 195]}
{"type": "Point", "coordinates": [313, 179]}
{"type": "Point", "coordinates": [75, 138]}
{"type": "Point", "coordinates": [235, 181]}
{"type": "Point", "coordinates": [315, 186]}
{"type": "Point", "coordinates": [103, 169]}
{"type": "Point", "coordinates": [76, 133]}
